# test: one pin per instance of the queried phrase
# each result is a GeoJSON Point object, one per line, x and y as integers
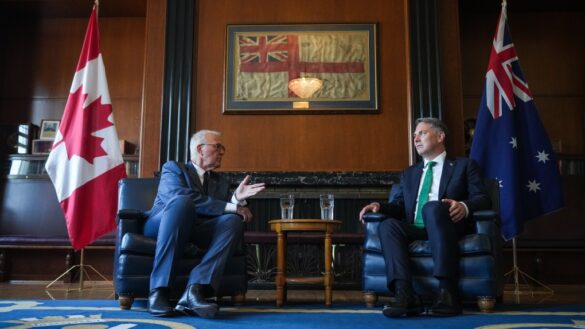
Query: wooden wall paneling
{"type": "Point", "coordinates": [450, 59]}
{"type": "Point", "coordinates": [38, 88]}
{"type": "Point", "coordinates": [307, 142]}
{"type": "Point", "coordinates": [152, 87]}
{"type": "Point", "coordinates": [122, 45]}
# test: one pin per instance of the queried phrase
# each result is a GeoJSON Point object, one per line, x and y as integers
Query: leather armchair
{"type": "Point", "coordinates": [134, 254]}
{"type": "Point", "coordinates": [480, 258]}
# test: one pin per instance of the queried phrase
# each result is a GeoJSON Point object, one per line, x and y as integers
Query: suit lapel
{"type": "Point", "coordinates": [448, 168]}
{"type": "Point", "coordinates": [415, 184]}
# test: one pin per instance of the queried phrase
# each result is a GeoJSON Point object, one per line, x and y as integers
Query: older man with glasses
{"type": "Point", "coordinates": [194, 204]}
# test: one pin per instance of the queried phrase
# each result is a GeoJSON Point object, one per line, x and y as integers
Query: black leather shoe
{"type": "Point", "coordinates": [193, 303]}
{"type": "Point", "coordinates": [447, 303]}
{"type": "Point", "coordinates": [158, 303]}
{"type": "Point", "coordinates": [406, 303]}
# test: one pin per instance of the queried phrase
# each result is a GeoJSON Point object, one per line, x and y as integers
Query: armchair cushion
{"type": "Point", "coordinates": [141, 245]}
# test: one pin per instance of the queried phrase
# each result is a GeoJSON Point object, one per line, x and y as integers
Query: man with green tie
{"type": "Point", "coordinates": [433, 202]}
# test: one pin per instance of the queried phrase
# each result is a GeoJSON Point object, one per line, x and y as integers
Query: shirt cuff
{"type": "Point", "coordinates": [466, 209]}
{"type": "Point", "coordinates": [234, 200]}
{"type": "Point", "coordinates": [230, 207]}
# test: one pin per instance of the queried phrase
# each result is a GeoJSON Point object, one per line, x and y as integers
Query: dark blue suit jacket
{"type": "Point", "coordinates": [181, 179]}
{"type": "Point", "coordinates": [461, 180]}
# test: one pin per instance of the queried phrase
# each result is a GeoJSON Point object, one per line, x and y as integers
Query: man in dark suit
{"type": "Point", "coordinates": [433, 202]}
{"type": "Point", "coordinates": [193, 204]}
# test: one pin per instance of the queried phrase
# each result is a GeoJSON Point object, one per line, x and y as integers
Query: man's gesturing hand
{"type": "Point", "coordinates": [246, 190]}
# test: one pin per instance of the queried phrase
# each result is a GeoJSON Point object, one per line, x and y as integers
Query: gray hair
{"type": "Point", "coordinates": [200, 138]}
{"type": "Point", "coordinates": [435, 123]}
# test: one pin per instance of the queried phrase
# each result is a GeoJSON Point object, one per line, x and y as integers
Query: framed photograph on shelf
{"type": "Point", "coordinates": [49, 129]}
{"type": "Point", "coordinates": [301, 68]}
{"type": "Point", "coordinates": [41, 146]}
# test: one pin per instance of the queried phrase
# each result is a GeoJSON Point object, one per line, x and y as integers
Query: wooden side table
{"type": "Point", "coordinates": [282, 227]}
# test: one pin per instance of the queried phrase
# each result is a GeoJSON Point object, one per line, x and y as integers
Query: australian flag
{"type": "Point", "coordinates": [510, 142]}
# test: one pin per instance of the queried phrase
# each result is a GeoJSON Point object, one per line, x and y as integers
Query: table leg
{"type": "Point", "coordinates": [280, 268]}
{"type": "Point", "coordinates": [328, 281]}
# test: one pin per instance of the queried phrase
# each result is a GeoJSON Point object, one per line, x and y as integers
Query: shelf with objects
{"type": "Point", "coordinates": [26, 166]}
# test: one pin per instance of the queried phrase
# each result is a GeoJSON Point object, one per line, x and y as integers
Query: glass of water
{"type": "Point", "coordinates": [287, 204]}
{"type": "Point", "coordinates": [327, 202]}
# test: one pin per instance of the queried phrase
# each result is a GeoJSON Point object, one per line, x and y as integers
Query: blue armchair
{"type": "Point", "coordinates": [480, 258]}
{"type": "Point", "coordinates": [134, 254]}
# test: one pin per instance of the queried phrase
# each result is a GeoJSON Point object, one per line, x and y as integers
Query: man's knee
{"type": "Point", "coordinates": [435, 210]}
{"type": "Point", "coordinates": [180, 208]}
{"type": "Point", "coordinates": [232, 222]}
{"type": "Point", "coordinates": [390, 224]}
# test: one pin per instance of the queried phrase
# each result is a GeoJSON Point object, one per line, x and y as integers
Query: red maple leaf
{"type": "Point", "coordinates": [79, 124]}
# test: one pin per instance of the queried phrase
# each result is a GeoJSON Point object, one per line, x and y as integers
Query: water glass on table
{"type": "Point", "coordinates": [287, 204]}
{"type": "Point", "coordinates": [327, 203]}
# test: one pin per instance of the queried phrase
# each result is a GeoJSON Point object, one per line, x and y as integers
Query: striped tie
{"type": "Point", "coordinates": [423, 195]}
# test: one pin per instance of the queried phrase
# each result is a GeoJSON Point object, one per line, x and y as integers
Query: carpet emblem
{"type": "Point", "coordinates": [95, 321]}
{"type": "Point", "coordinates": [575, 324]}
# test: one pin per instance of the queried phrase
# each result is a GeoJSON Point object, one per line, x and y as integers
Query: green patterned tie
{"type": "Point", "coordinates": [423, 195]}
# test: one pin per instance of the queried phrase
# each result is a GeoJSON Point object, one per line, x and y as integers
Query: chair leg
{"type": "Point", "coordinates": [126, 301]}
{"type": "Point", "coordinates": [370, 298]}
{"type": "Point", "coordinates": [239, 298]}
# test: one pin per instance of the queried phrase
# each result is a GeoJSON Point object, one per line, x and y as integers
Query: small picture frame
{"type": "Point", "coordinates": [49, 129]}
{"type": "Point", "coordinates": [41, 146]}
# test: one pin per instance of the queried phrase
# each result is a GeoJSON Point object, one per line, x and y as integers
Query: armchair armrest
{"type": "Point", "coordinates": [486, 222]}
{"type": "Point", "coordinates": [373, 217]}
{"type": "Point", "coordinates": [131, 214]}
{"type": "Point", "coordinates": [485, 215]}
{"type": "Point", "coordinates": [130, 220]}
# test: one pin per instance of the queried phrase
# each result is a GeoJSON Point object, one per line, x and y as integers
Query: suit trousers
{"type": "Point", "coordinates": [179, 225]}
{"type": "Point", "coordinates": [443, 235]}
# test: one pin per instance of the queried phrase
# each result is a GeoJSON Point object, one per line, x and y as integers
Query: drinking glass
{"type": "Point", "coordinates": [327, 202]}
{"type": "Point", "coordinates": [287, 204]}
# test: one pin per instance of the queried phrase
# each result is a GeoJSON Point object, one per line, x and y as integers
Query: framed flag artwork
{"type": "Point", "coordinates": [301, 68]}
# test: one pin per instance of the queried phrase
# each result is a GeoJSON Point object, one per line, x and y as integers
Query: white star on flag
{"type": "Point", "coordinates": [533, 186]}
{"type": "Point", "coordinates": [542, 156]}
{"type": "Point", "coordinates": [514, 143]}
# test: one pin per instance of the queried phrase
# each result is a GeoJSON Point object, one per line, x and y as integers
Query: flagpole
{"type": "Point", "coordinates": [516, 273]}
{"type": "Point", "coordinates": [82, 274]}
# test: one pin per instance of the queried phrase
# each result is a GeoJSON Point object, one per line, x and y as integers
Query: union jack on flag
{"type": "Point", "coordinates": [263, 49]}
{"type": "Point", "coordinates": [510, 142]}
{"type": "Point", "coordinates": [504, 78]}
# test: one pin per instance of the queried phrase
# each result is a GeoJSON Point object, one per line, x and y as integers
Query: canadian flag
{"type": "Point", "coordinates": [85, 162]}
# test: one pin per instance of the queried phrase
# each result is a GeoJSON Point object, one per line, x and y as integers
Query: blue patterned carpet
{"type": "Point", "coordinates": [77, 314]}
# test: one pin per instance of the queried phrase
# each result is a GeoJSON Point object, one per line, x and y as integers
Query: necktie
{"type": "Point", "coordinates": [205, 182]}
{"type": "Point", "coordinates": [423, 195]}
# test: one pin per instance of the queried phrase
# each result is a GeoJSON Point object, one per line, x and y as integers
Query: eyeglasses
{"type": "Point", "coordinates": [217, 146]}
